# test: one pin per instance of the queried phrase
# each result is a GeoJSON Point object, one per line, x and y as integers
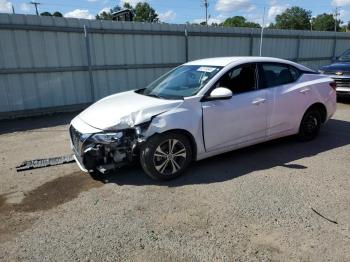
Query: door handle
{"type": "Point", "coordinates": [259, 101]}
{"type": "Point", "coordinates": [305, 90]}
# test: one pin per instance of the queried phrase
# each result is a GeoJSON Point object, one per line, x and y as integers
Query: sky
{"type": "Point", "coordinates": [182, 11]}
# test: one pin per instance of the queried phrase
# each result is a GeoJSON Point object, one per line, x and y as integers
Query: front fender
{"type": "Point", "coordinates": [188, 117]}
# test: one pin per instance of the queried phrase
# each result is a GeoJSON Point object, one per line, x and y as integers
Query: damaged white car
{"type": "Point", "coordinates": [200, 109]}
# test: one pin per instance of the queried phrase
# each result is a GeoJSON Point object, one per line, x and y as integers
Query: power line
{"type": "Point", "coordinates": [36, 6]}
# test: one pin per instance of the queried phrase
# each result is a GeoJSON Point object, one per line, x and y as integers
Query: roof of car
{"type": "Point", "coordinates": [224, 61]}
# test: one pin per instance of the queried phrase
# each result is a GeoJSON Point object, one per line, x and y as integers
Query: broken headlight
{"type": "Point", "coordinates": [106, 138]}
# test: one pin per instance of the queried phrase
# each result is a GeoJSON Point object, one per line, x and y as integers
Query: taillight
{"type": "Point", "coordinates": [333, 85]}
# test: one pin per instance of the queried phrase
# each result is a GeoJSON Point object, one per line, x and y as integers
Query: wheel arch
{"type": "Point", "coordinates": [321, 107]}
{"type": "Point", "coordinates": [188, 135]}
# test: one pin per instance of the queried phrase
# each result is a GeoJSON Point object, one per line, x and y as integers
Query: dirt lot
{"type": "Point", "coordinates": [249, 205]}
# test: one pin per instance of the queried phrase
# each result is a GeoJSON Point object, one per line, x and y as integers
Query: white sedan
{"type": "Point", "coordinates": [201, 109]}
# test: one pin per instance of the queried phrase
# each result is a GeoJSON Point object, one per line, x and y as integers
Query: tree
{"type": "Point", "coordinates": [57, 14]}
{"type": "Point", "coordinates": [294, 18]}
{"type": "Point", "coordinates": [145, 13]}
{"type": "Point", "coordinates": [127, 5]}
{"type": "Point", "coordinates": [108, 15]}
{"type": "Point", "coordinates": [271, 26]}
{"type": "Point", "coordinates": [239, 21]}
{"type": "Point", "coordinates": [325, 22]}
{"type": "Point", "coordinates": [46, 14]}
{"type": "Point", "coordinates": [348, 27]}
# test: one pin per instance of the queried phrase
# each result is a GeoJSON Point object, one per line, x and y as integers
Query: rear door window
{"type": "Point", "coordinates": [278, 74]}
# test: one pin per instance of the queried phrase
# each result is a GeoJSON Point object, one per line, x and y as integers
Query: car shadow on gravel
{"type": "Point", "coordinates": [280, 152]}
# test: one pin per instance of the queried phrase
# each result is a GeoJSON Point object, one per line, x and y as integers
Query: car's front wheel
{"type": "Point", "coordinates": [166, 156]}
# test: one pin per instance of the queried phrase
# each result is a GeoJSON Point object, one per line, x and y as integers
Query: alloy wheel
{"type": "Point", "coordinates": [169, 157]}
{"type": "Point", "coordinates": [311, 124]}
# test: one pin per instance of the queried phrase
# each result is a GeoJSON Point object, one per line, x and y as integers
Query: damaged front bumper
{"type": "Point", "coordinates": [104, 151]}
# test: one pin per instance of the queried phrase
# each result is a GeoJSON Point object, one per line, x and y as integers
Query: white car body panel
{"type": "Point", "coordinates": [216, 126]}
{"type": "Point", "coordinates": [243, 115]}
{"type": "Point", "coordinates": [124, 110]}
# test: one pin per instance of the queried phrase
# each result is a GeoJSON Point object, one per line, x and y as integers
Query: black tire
{"type": "Point", "coordinates": [177, 160]}
{"type": "Point", "coordinates": [310, 125]}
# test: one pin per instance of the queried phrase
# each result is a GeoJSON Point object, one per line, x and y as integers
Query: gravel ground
{"type": "Point", "coordinates": [255, 204]}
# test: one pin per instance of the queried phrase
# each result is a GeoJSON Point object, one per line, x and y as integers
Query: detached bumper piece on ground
{"type": "Point", "coordinates": [46, 162]}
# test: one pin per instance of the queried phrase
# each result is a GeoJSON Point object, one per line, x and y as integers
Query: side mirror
{"type": "Point", "coordinates": [220, 93]}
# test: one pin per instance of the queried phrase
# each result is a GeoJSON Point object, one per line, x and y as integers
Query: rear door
{"type": "Point", "coordinates": [289, 97]}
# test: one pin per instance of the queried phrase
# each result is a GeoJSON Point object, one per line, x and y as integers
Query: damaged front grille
{"type": "Point", "coordinates": [105, 150]}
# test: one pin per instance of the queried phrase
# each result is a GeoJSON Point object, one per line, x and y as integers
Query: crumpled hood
{"type": "Point", "coordinates": [125, 110]}
{"type": "Point", "coordinates": [337, 67]}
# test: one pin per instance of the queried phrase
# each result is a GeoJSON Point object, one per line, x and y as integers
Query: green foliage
{"type": "Point", "coordinates": [145, 13]}
{"type": "Point", "coordinates": [104, 16]}
{"type": "Point", "coordinates": [271, 26]}
{"type": "Point", "coordinates": [108, 15]}
{"type": "Point", "coordinates": [46, 14]}
{"type": "Point", "coordinates": [239, 21]}
{"type": "Point", "coordinates": [325, 22]}
{"type": "Point", "coordinates": [294, 18]}
{"type": "Point", "coordinates": [127, 5]}
{"type": "Point", "coordinates": [57, 14]}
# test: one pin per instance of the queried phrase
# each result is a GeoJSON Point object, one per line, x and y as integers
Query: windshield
{"type": "Point", "coordinates": [345, 57]}
{"type": "Point", "coordinates": [181, 82]}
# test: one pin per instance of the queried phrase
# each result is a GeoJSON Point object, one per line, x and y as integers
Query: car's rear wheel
{"type": "Point", "coordinates": [166, 156]}
{"type": "Point", "coordinates": [310, 125]}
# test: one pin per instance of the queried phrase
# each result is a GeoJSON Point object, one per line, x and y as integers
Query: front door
{"type": "Point", "coordinates": [238, 120]}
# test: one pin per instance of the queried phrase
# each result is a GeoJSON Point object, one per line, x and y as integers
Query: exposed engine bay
{"type": "Point", "coordinates": [106, 150]}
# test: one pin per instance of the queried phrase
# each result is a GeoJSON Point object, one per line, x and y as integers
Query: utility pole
{"type": "Point", "coordinates": [311, 24]}
{"type": "Point", "coordinates": [36, 6]}
{"type": "Point", "coordinates": [262, 32]}
{"type": "Point", "coordinates": [206, 5]}
{"type": "Point", "coordinates": [335, 15]}
{"type": "Point", "coordinates": [13, 10]}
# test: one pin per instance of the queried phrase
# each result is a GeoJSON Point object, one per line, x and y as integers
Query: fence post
{"type": "Point", "coordinates": [88, 54]}
{"type": "Point", "coordinates": [298, 49]}
{"type": "Point", "coordinates": [251, 43]}
{"type": "Point", "coordinates": [334, 46]}
{"type": "Point", "coordinates": [186, 44]}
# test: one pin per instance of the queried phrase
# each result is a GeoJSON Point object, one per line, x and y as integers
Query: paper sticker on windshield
{"type": "Point", "coordinates": [206, 69]}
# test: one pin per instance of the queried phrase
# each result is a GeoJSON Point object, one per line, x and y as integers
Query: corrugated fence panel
{"type": "Point", "coordinates": [278, 47]}
{"type": "Point", "coordinates": [8, 49]}
{"type": "Point", "coordinates": [341, 46]}
{"type": "Point", "coordinates": [49, 62]}
{"type": "Point", "coordinates": [316, 48]}
{"type": "Point", "coordinates": [316, 64]}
